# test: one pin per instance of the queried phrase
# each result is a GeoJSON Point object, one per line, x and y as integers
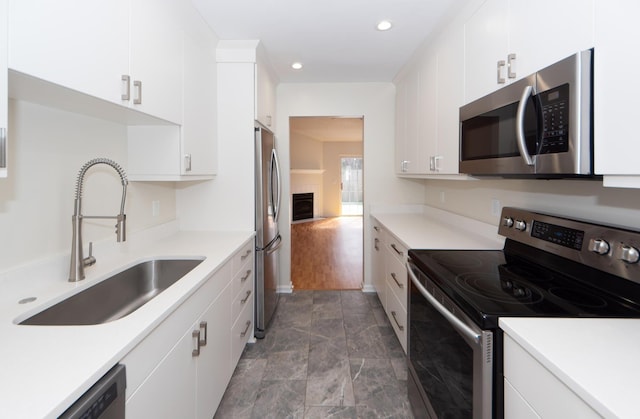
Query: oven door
{"type": "Point", "coordinates": [450, 358]}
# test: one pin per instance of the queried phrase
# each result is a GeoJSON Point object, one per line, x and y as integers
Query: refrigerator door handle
{"type": "Point", "coordinates": [275, 167]}
{"type": "Point", "coordinates": [273, 245]}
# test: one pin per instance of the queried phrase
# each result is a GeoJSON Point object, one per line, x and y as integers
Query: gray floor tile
{"type": "Point", "coordinates": [327, 354]}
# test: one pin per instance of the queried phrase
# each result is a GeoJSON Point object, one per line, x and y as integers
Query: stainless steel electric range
{"type": "Point", "coordinates": [550, 266]}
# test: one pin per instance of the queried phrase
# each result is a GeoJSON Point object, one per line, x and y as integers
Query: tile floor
{"type": "Point", "coordinates": [327, 354]}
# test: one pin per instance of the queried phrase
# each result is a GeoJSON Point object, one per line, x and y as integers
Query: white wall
{"type": "Point", "coordinates": [47, 148]}
{"type": "Point", "coordinates": [574, 198]}
{"type": "Point", "coordinates": [374, 101]}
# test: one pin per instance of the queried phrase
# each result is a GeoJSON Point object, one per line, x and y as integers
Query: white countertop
{"type": "Point", "coordinates": [44, 369]}
{"type": "Point", "coordinates": [596, 358]}
{"type": "Point", "coordinates": [431, 228]}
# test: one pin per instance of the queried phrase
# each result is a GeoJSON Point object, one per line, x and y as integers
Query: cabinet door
{"type": "Point", "coordinates": [485, 44]}
{"type": "Point", "coordinates": [214, 362]}
{"type": "Point", "coordinates": [427, 113]}
{"type": "Point", "coordinates": [539, 40]}
{"type": "Point", "coordinates": [170, 390]}
{"type": "Point", "coordinates": [450, 98]}
{"type": "Point", "coordinates": [4, 94]}
{"type": "Point", "coordinates": [401, 164]}
{"type": "Point", "coordinates": [199, 139]}
{"type": "Point", "coordinates": [80, 44]}
{"type": "Point", "coordinates": [265, 95]}
{"type": "Point", "coordinates": [156, 51]}
{"type": "Point", "coordinates": [412, 150]}
{"type": "Point", "coordinates": [617, 59]}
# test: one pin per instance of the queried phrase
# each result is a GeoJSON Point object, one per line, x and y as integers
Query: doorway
{"type": "Point", "coordinates": [327, 162]}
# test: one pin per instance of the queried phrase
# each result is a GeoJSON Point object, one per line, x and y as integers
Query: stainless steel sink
{"type": "Point", "coordinates": [116, 296]}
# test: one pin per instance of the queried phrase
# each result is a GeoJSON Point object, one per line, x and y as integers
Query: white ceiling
{"type": "Point", "coordinates": [336, 40]}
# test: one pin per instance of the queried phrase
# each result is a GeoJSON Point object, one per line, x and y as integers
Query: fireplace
{"type": "Point", "coordinates": [302, 204]}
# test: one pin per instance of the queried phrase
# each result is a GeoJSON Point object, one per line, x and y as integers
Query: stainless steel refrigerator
{"type": "Point", "coordinates": [268, 239]}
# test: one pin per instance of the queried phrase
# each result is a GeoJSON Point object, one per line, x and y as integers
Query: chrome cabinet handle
{"type": "Point", "coordinates": [522, 145]}
{"type": "Point", "coordinates": [246, 254]}
{"type": "Point", "coordinates": [203, 329]}
{"type": "Point", "coordinates": [511, 73]}
{"type": "Point", "coordinates": [393, 314]}
{"type": "Point", "coordinates": [244, 278]}
{"type": "Point", "coordinates": [376, 228]}
{"type": "Point", "coordinates": [393, 275]}
{"type": "Point", "coordinates": [126, 81]}
{"type": "Point", "coordinates": [393, 246]}
{"type": "Point", "coordinates": [501, 64]}
{"type": "Point", "coordinates": [375, 245]}
{"type": "Point", "coordinates": [187, 162]}
{"type": "Point", "coordinates": [244, 300]}
{"type": "Point", "coordinates": [137, 85]}
{"type": "Point", "coordinates": [246, 329]}
{"type": "Point", "coordinates": [196, 335]}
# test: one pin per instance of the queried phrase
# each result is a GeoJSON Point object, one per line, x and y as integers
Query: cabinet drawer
{"type": "Point", "coordinates": [243, 256]}
{"type": "Point", "coordinates": [515, 406]}
{"type": "Point", "coordinates": [397, 316]}
{"type": "Point", "coordinates": [243, 298]}
{"type": "Point", "coordinates": [542, 390]}
{"type": "Point", "coordinates": [396, 275]}
{"type": "Point", "coordinates": [396, 247]}
{"type": "Point", "coordinates": [241, 331]}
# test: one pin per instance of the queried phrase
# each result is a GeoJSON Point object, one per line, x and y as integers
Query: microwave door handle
{"type": "Point", "coordinates": [522, 145]}
{"type": "Point", "coordinates": [462, 328]}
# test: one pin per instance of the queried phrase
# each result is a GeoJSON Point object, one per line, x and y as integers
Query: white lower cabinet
{"type": "Point", "coordinates": [390, 278]}
{"type": "Point", "coordinates": [532, 391]}
{"type": "Point", "coordinates": [183, 367]}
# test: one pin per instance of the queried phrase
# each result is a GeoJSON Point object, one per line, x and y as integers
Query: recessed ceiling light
{"type": "Point", "coordinates": [296, 66]}
{"type": "Point", "coordinates": [384, 25]}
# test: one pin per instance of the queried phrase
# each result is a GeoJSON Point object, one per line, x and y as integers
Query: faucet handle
{"type": "Point", "coordinates": [121, 228]}
{"type": "Point", "coordinates": [89, 260]}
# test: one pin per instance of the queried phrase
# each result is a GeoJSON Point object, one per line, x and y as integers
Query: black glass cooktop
{"type": "Point", "coordinates": [488, 284]}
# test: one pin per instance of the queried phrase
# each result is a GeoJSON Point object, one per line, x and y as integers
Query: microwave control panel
{"type": "Point", "coordinates": [555, 120]}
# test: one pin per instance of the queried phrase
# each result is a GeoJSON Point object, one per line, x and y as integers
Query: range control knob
{"type": "Point", "coordinates": [628, 254]}
{"type": "Point", "coordinates": [507, 222]}
{"type": "Point", "coordinates": [599, 246]}
{"type": "Point", "coordinates": [520, 225]}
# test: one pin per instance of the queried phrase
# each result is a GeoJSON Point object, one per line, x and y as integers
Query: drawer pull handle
{"type": "Point", "coordinates": [393, 246]}
{"type": "Point", "coordinates": [203, 329]}
{"type": "Point", "coordinates": [247, 253]}
{"type": "Point", "coordinates": [393, 275]}
{"type": "Point", "coordinates": [244, 300]}
{"type": "Point", "coordinates": [393, 314]}
{"type": "Point", "coordinates": [246, 329]}
{"type": "Point", "coordinates": [375, 246]}
{"type": "Point", "coordinates": [196, 335]}
{"type": "Point", "coordinates": [244, 278]}
{"type": "Point", "coordinates": [376, 228]}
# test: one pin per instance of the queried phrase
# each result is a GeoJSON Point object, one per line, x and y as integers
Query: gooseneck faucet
{"type": "Point", "coordinates": [78, 262]}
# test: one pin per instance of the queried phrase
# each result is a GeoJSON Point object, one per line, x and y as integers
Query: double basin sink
{"type": "Point", "coordinates": [117, 296]}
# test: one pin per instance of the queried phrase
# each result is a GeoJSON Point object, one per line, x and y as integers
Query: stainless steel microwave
{"type": "Point", "coordinates": [539, 126]}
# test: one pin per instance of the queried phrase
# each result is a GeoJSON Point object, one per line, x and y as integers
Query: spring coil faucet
{"type": "Point", "coordinates": [78, 262]}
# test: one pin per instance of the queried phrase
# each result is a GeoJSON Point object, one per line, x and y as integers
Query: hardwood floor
{"type": "Point", "coordinates": [327, 254]}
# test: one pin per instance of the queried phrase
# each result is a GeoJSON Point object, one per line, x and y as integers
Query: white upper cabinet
{"type": "Point", "coordinates": [266, 83]}
{"type": "Point", "coordinates": [617, 59]}
{"type": "Point", "coordinates": [428, 97]}
{"type": "Point", "coordinates": [4, 94]}
{"type": "Point", "coordinates": [83, 45]}
{"type": "Point", "coordinates": [156, 57]}
{"type": "Point", "coordinates": [506, 40]}
{"type": "Point", "coordinates": [127, 52]}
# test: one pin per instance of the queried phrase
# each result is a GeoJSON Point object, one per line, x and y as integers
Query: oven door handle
{"type": "Point", "coordinates": [462, 328]}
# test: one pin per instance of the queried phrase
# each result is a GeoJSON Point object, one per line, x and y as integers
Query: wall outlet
{"type": "Point", "coordinates": [155, 208]}
{"type": "Point", "coordinates": [496, 207]}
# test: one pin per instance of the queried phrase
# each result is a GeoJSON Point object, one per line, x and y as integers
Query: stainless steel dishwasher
{"type": "Point", "coordinates": [104, 400]}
